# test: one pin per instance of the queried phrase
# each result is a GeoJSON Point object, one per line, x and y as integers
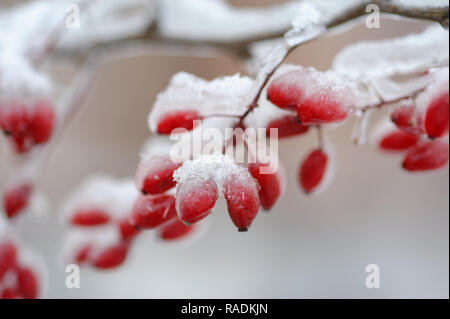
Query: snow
{"type": "Point", "coordinates": [223, 95]}
{"type": "Point", "coordinates": [216, 20]}
{"type": "Point", "coordinates": [377, 59]}
{"type": "Point", "coordinates": [421, 3]}
{"type": "Point", "coordinates": [115, 196]}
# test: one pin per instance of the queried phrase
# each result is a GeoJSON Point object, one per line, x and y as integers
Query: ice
{"type": "Point", "coordinates": [216, 20]}
{"type": "Point", "coordinates": [421, 3]}
{"type": "Point", "coordinates": [377, 59]}
{"type": "Point", "coordinates": [223, 95]}
{"type": "Point", "coordinates": [115, 196]}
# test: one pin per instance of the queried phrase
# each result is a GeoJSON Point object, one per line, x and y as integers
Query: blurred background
{"type": "Point", "coordinates": [307, 247]}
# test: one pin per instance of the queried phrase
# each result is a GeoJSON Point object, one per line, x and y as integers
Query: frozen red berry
{"type": "Point", "coordinates": [270, 185]}
{"type": "Point", "coordinates": [16, 199]}
{"type": "Point", "coordinates": [92, 217]}
{"type": "Point", "coordinates": [15, 123]}
{"type": "Point", "coordinates": [111, 257]}
{"type": "Point", "coordinates": [127, 230]}
{"type": "Point", "coordinates": [177, 119]}
{"type": "Point", "coordinates": [155, 174]}
{"type": "Point", "coordinates": [287, 126]}
{"type": "Point", "coordinates": [8, 255]}
{"type": "Point", "coordinates": [152, 211]}
{"type": "Point", "coordinates": [41, 122]}
{"type": "Point", "coordinates": [427, 155]}
{"type": "Point", "coordinates": [321, 109]}
{"type": "Point", "coordinates": [312, 170]}
{"type": "Point", "coordinates": [195, 199]}
{"type": "Point", "coordinates": [408, 119]}
{"type": "Point", "coordinates": [437, 116]}
{"type": "Point", "coordinates": [174, 230]}
{"type": "Point", "coordinates": [82, 255]}
{"type": "Point", "coordinates": [28, 283]}
{"type": "Point", "coordinates": [9, 293]}
{"type": "Point", "coordinates": [241, 194]}
{"type": "Point", "coordinates": [398, 140]}
{"type": "Point", "coordinates": [284, 91]}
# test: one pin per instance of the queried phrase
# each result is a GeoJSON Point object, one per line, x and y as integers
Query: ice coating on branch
{"type": "Point", "coordinates": [216, 20]}
{"type": "Point", "coordinates": [223, 95]}
{"type": "Point", "coordinates": [421, 3]}
{"type": "Point", "coordinates": [114, 196]}
{"type": "Point", "coordinates": [215, 167]}
{"type": "Point", "coordinates": [376, 59]}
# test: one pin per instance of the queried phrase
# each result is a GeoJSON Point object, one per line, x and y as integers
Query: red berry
{"type": "Point", "coordinates": [398, 141]}
{"type": "Point", "coordinates": [93, 217]}
{"type": "Point", "coordinates": [8, 255]}
{"type": "Point", "coordinates": [284, 91]}
{"type": "Point", "coordinates": [426, 155]}
{"type": "Point", "coordinates": [287, 126]}
{"type": "Point", "coordinates": [41, 122]}
{"type": "Point", "coordinates": [270, 186]}
{"type": "Point", "coordinates": [407, 119]}
{"type": "Point", "coordinates": [241, 195]}
{"type": "Point", "coordinates": [9, 293]}
{"type": "Point", "coordinates": [176, 229]}
{"type": "Point", "coordinates": [28, 283]}
{"type": "Point", "coordinates": [177, 119]}
{"type": "Point", "coordinates": [312, 170]}
{"type": "Point", "coordinates": [195, 199]}
{"type": "Point", "coordinates": [15, 121]}
{"type": "Point", "coordinates": [16, 199]}
{"type": "Point", "coordinates": [127, 230]}
{"type": "Point", "coordinates": [155, 174]}
{"type": "Point", "coordinates": [111, 257]}
{"type": "Point", "coordinates": [437, 116]}
{"type": "Point", "coordinates": [83, 254]}
{"type": "Point", "coordinates": [152, 211]}
{"type": "Point", "coordinates": [321, 109]}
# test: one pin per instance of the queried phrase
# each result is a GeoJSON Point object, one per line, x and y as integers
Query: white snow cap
{"type": "Point", "coordinates": [223, 95]}
{"type": "Point", "coordinates": [115, 196]}
{"type": "Point", "coordinates": [376, 59]}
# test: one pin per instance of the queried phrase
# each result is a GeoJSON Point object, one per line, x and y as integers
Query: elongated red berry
{"type": "Point", "coordinates": [287, 126]}
{"type": "Point", "coordinates": [155, 174]}
{"type": "Point", "coordinates": [398, 141]}
{"type": "Point", "coordinates": [174, 230]}
{"type": "Point", "coordinates": [16, 199]}
{"type": "Point", "coordinates": [284, 91]}
{"type": "Point", "coordinates": [8, 255]}
{"type": "Point", "coordinates": [93, 217]}
{"type": "Point", "coordinates": [28, 283]}
{"type": "Point", "coordinates": [15, 122]}
{"type": "Point", "coordinates": [9, 293]}
{"type": "Point", "coordinates": [321, 109]}
{"type": "Point", "coordinates": [177, 119]}
{"type": "Point", "coordinates": [408, 119]}
{"type": "Point", "coordinates": [437, 116]}
{"type": "Point", "coordinates": [195, 199]}
{"type": "Point", "coordinates": [41, 122]}
{"type": "Point", "coordinates": [111, 257]}
{"type": "Point", "coordinates": [152, 211]}
{"type": "Point", "coordinates": [312, 170]}
{"type": "Point", "coordinates": [427, 155]}
{"type": "Point", "coordinates": [82, 254]}
{"type": "Point", "coordinates": [241, 194]}
{"type": "Point", "coordinates": [270, 185]}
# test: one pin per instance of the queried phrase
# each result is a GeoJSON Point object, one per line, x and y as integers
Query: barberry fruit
{"type": "Point", "coordinates": [174, 230]}
{"type": "Point", "coordinates": [313, 170]}
{"type": "Point", "coordinates": [93, 217]}
{"type": "Point", "coordinates": [16, 199]}
{"type": "Point", "coordinates": [155, 174]}
{"type": "Point", "coordinates": [177, 119]}
{"type": "Point", "coordinates": [28, 283]}
{"type": "Point", "coordinates": [408, 119]}
{"type": "Point", "coordinates": [195, 199]}
{"type": "Point", "coordinates": [111, 257]}
{"type": "Point", "coordinates": [287, 126]}
{"type": "Point", "coordinates": [427, 155]}
{"type": "Point", "coordinates": [270, 185]}
{"type": "Point", "coordinates": [152, 211]}
{"type": "Point", "coordinates": [8, 255]}
{"type": "Point", "coordinates": [398, 141]}
{"type": "Point", "coordinates": [437, 116]}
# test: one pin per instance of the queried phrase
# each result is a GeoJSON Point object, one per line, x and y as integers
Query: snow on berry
{"type": "Point", "coordinates": [154, 174]}
{"type": "Point", "coordinates": [187, 95]}
{"type": "Point", "coordinates": [16, 198]}
{"type": "Point", "coordinates": [151, 211]}
{"type": "Point", "coordinates": [98, 200]}
{"type": "Point", "coordinates": [313, 170]}
{"type": "Point", "coordinates": [318, 97]}
{"type": "Point", "coordinates": [195, 199]}
{"type": "Point", "coordinates": [427, 155]}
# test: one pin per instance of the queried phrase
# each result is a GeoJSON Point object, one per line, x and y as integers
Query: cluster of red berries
{"type": "Point", "coordinates": [421, 134]}
{"type": "Point", "coordinates": [102, 233]}
{"type": "Point", "coordinates": [17, 280]}
{"type": "Point", "coordinates": [26, 126]}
